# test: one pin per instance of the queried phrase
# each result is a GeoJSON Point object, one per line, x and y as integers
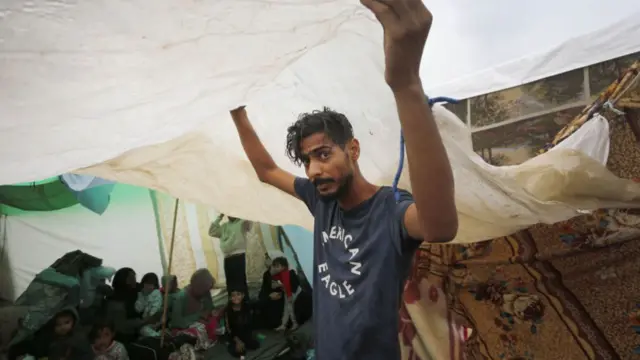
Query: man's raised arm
{"type": "Point", "coordinates": [266, 169]}
{"type": "Point", "coordinates": [406, 25]}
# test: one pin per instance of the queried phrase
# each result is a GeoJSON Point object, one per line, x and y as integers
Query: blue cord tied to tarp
{"type": "Point", "coordinates": [396, 179]}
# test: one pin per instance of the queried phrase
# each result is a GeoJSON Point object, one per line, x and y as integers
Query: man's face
{"type": "Point", "coordinates": [328, 166]}
{"type": "Point", "coordinates": [64, 324]}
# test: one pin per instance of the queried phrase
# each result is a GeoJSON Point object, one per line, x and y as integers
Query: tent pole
{"type": "Point", "coordinates": [156, 213]}
{"type": "Point", "coordinates": [166, 293]}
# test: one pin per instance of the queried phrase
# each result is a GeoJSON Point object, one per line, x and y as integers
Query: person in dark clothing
{"type": "Point", "coordinates": [365, 236]}
{"type": "Point", "coordinates": [61, 339]}
{"type": "Point", "coordinates": [239, 325]}
{"type": "Point", "coordinates": [121, 308]}
{"type": "Point", "coordinates": [69, 343]}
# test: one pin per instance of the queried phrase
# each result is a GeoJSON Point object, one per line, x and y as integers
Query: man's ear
{"type": "Point", "coordinates": [354, 149]}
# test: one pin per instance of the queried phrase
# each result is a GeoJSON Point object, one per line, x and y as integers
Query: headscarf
{"type": "Point", "coordinates": [124, 293]}
{"type": "Point", "coordinates": [202, 281]}
{"type": "Point", "coordinates": [169, 282]}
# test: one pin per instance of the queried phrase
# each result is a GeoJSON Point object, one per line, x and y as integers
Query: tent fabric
{"type": "Point", "coordinates": [96, 198]}
{"type": "Point", "coordinates": [194, 248]}
{"type": "Point", "coordinates": [93, 193]}
{"type": "Point", "coordinates": [130, 233]}
{"type": "Point", "coordinates": [168, 84]}
{"type": "Point", "coordinates": [491, 201]}
{"type": "Point", "coordinates": [124, 236]}
{"type": "Point", "coordinates": [58, 194]}
{"type": "Point", "coordinates": [42, 197]}
{"type": "Point", "coordinates": [80, 183]}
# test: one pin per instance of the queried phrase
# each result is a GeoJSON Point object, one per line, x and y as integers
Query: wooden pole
{"type": "Point", "coordinates": [166, 292]}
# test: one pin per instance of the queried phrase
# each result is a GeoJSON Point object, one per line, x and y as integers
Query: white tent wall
{"type": "Point", "coordinates": [194, 248]}
{"type": "Point", "coordinates": [124, 236]}
{"type": "Point", "coordinates": [302, 242]}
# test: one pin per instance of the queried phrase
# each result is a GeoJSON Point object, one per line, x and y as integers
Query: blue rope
{"type": "Point", "coordinates": [396, 179]}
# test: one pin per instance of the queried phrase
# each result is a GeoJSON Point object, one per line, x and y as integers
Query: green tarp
{"type": "Point", "coordinates": [53, 195]}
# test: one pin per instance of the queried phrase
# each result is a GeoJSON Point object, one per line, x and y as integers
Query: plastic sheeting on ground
{"type": "Point", "coordinates": [87, 82]}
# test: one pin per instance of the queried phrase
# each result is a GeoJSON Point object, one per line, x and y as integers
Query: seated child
{"type": "Point", "coordinates": [68, 341]}
{"type": "Point", "coordinates": [104, 346]}
{"type": "Point", "coordinates": [149, 302]}
{"type": "Point", "coordinates": [239, 325]}
{"type": "Point", "coordinates": [282, 275]}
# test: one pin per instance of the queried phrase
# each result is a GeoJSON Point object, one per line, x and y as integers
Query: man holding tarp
{"type": "Point", "coordinates": [365, 235]}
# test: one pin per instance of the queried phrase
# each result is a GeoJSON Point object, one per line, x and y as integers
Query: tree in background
{"type": "Point", "coordinates": [557, 90]}
{"type": "Point", "coordinates": [459, 109]}
{"type": "Point", "coordinates": [488, 109]}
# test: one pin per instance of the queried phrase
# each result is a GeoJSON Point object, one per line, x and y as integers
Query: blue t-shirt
{"type": "Point", "coordinates": [361, 259]}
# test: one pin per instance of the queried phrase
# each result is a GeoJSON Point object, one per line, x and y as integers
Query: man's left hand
{"type": "Point", "coordinates": [406, 25]}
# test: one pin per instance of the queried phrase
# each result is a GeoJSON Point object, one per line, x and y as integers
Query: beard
{"type": "Point", "coordinates": [343, 187]}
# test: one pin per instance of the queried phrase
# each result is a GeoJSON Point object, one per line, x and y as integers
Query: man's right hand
{"type": "Point", "coordinates": [275, 296]}
{"type": "Point", "coordinates": [267, 170]}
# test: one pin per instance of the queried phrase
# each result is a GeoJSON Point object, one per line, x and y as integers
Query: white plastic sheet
{"type": "Point", "coordinates": [491, 201]}
{"type": "Point", "coordinates": [85, 82]}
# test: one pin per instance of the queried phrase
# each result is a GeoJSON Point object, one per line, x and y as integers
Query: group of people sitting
{"type": "Point", "coordinates": [126, 320]}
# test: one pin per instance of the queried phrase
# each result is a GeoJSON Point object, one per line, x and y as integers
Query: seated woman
{"type": "Point", "coordinates": [239, 325]}
{"type": "Point", "coordinates": [121, 307]}
{"type": "Point", "coordinates": [191, 310]}
{"type": "Point", "coordinates": [272, 296]}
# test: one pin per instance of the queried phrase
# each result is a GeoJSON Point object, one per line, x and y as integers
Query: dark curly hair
{"type": "Point", "coordinates": [281, 261]}
{"type": "Point", "coordinates": [99, 325]}
{"type": "Point", "coordinates": [332, 123]}
{"type": "Point", "coordinates": [150, 278]}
